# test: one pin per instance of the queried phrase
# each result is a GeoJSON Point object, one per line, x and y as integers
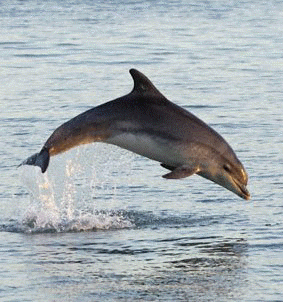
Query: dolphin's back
{"type": "Point", "coordinates": [143, 111]}
{"type": "Point", "coordinates": [158, 116]}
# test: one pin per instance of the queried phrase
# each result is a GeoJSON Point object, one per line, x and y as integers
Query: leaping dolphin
{"type": "Point", "coordinates": [147, 123]}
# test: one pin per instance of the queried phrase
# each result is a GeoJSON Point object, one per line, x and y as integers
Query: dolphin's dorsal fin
{"type": "Point", "coordinates": [143, 85]}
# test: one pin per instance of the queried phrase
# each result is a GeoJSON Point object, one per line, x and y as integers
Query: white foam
{"type": "Point", "coordinates": [36, 221]}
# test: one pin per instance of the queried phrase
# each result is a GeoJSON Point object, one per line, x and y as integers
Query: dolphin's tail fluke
{"type": "Point", "coordinates": [40, 159]}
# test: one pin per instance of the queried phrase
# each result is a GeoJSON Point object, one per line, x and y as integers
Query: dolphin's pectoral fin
{"type": "Point", "coordinates": [180, 172]}
{"type": "Point", "coordinates": [171, 168]}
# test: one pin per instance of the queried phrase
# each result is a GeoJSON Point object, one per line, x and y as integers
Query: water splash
{"type": "Point", "coordinates": [57, 206]}
{"type": "Point", "coordinates": [42, 222]}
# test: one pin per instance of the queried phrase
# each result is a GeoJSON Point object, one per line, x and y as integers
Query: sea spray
{"type": "Point", "coordinates": [69, 193]}
{"type": "Point", "coordinates": [73, 199]}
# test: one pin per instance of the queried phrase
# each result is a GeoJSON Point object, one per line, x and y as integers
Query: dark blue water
{"type": "Point", "coordinates": [102, 225]}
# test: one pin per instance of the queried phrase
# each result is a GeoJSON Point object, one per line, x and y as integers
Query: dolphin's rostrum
{"type": "Point", "coordinates": [147, 123]}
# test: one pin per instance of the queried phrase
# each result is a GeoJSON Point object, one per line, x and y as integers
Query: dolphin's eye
{"type": "Point", "coordinates": [227, 168]}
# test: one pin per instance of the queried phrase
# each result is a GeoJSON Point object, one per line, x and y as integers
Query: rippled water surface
{"type": "Point", "coordinates": [101, 224]}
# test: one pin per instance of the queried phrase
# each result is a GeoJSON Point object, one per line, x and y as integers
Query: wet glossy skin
{"type": "Point", "coordinates": [146, 123]}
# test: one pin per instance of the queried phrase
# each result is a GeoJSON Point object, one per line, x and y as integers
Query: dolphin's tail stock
{"type": "Point", "coordinates": [40, 159]}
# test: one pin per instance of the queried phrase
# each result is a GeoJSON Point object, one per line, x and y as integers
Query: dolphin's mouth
{"type": "Point", "coordinates": [242, 189]}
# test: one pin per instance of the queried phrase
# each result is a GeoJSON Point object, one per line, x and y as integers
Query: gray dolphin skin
{"type": "Point", "coordinates": [147, 123]}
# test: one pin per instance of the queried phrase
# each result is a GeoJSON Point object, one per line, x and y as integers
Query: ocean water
{"type": "Point", "coordinates": [102, 224]}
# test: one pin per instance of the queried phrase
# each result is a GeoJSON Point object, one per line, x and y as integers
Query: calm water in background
{"type": "Point", "coordinates": [102, 225]}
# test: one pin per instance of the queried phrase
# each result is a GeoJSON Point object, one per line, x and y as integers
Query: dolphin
{"type": "Point", "coordinates": [147, 123]}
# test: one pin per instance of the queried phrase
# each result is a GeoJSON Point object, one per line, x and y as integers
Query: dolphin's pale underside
{"type": "Point", "coordinates": [147, 123]}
